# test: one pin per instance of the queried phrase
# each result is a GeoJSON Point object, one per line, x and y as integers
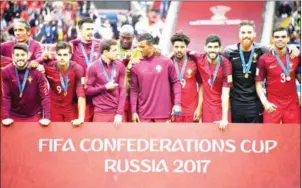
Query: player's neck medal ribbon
{"type": "Point", "coordinates": [181, 74]}
{"type": "Point", "coordinates": [246, 66]}
{"type": "Point", "coordinates": [287, 69]}
{"type": "Point", "coordinates": [21, 87]}
{"type": "Point", "coordinates": [64, 82]}
{"type": "Point", "coordinates": [88, 61]}
{"type": "Point", "coordinates": [105, 72]}
{"type": "Point", "coordinates": [213, 77]}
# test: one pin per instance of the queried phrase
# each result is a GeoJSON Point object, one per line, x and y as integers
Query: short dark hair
{"type": "Point", "coordinates": [27, 26]}
{"type": "Point", "coordinates": [180, 37]}
{"type": "Point", "coordinates": [147, 37]}
{"type": "Point", "coordinates": [248, 23]}
{"type": "Point", "coordinates": [213, 38]}
{"type": "Point", "coordinates": [21, 47]}
{"type": "Point", "coordinates": [84, 20]}
{"type": "Point", "coordinates": [277, 29]}
{"type": "Point", "coordinates": [63, 45]}
{"type": "Point", "coordinates": [106, 45]}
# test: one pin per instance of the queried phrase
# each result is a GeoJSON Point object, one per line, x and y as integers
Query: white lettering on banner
{"type": "Point", "coordinates": [254, 146]}
{"type": "Point", "coordinates": [155, 166]}
{"type": "Point", "coordinates": [157, 145]}
{"type": "Point", "coordinates": [135, 165]}
{"type": "Point", "coordinates": [53, 145]}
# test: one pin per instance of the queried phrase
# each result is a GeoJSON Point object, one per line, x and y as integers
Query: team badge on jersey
{"type": "Point", "coordinates": [29, 79]}
{"type": "Point", "coordinates": [158, 68]}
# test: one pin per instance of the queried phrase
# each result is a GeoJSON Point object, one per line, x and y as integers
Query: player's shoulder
{"type": "Point", "coordinates": [260, 46]}
{"type": "Point", "coordinates": [163, 58]}
{"type": "Point", "coordinates": [119, 63]}
{"type": "Point", "coordinates": [7, 69]}
{"type": "Point", "coordinates": [75, 42]}
{"type": "Point", "coordinates": [36, 73]}
{"type": "Point", "coordinates": [35, 43]}
{"type": "Point", "coordinates": [7, 44]}
{"type": "Point", "coordinates": [230, 48]}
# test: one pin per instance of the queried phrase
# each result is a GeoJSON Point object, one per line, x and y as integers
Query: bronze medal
{"type": "Point", "coordinates": [246, 75]}
{"type": "Point", "coordinates": [288, 78]}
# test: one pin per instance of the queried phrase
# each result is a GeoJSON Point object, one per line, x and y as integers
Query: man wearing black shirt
{"type": "Point", "coordinates": [245, 104]}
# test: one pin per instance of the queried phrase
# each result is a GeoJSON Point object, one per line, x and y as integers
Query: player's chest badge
{"type": "Point", "coordinates": [255, 58]}
{"type": "Point", "coordinates": [29, 79]}
{"type": "Point", "coordinates": [158, 68]}
{"type": "Point", "coordinates": [189, 73]}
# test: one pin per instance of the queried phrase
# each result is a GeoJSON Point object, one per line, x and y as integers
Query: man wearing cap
{"type": "Point", "coordinates": [24, 92]}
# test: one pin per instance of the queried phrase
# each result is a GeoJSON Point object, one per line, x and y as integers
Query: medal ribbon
{"type": "Point", "coordinates": [64, 82]}
{"type": "Point", "coordinates": [88, 61]}
{"type": "Point", "coordinates": [180, 74]}
{"type": "Point", "coordinates": [21, 88]}
{"type": "Point", "coordinates": [246, 67]}
{"type": "Point", "coordinates": [213, 78]}
{"type": "Point", "coordinates": [285, 70]}
{"type": "Point", "coordinates": [105, 73]}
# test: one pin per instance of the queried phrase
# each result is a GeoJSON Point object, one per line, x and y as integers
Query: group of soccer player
{"type": "Point", "coordinates": [115, 81]}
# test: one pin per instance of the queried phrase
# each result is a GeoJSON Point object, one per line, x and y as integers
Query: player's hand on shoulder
{"type": "Point", "coordinates": [7, 122]}
{"type": "Point", "coordinates": [111, 85]}
{"type": "Point", "coordinates": [135, 61]}
{"type": "Point", "coordinates": [41, 68]}
{"type": "Point", "coordinates": [135, 118]}
{"type": "Point", "coordinates": [77, 122]}
{"type": "Point", "coordinates": [293, 51]}
{"type": "Point", "coordinates": [33, 64]}
{"type": "Point", "coordinates": [44, 122]}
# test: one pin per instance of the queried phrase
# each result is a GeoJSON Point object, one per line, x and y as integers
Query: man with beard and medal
{"type": "Point", "coordinates": [64, 77]}
{"type": "Point", "coordinates": [152, 81]}
{"type": "Point", "coordinates": [246, 107]}
{"type": "Point", "coordinates": [25, 96]}
{"type": "Point", "coordinates": [281, 101]}
{"type": "Point", "coordinates": [216, 75]}
{"type": "Point", "coordinates": [188, 75]}
{"type": "Point", "coordinates": [106, 84]}
{"type": "Point", "coordinates": [86, 50]}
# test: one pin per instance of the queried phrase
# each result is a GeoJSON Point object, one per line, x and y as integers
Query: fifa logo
{"type": "Point", "coordinates": [219, 12]}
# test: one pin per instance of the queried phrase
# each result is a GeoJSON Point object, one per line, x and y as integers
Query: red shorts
{"type": "Point", "coordinates": [183, 119]}
{"type": "Point", "coordinates": [209, 115]}
{"type": "Point", "coordinates": [290, 115]}
{"type": "Point", "coordinates": [127, 110]}
{"type": "Point", "coordinates": [159, 120]}
{"type": "Point", "coordinates": [104, 117]}
{"type": "Point", "coordinates": [62, 115]}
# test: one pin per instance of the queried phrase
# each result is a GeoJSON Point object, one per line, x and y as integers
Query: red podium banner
{"type": "Point", "coordinates": [97, 155]}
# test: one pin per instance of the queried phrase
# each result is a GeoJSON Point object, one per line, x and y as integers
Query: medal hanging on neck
{"type": "Point", "coordinates": [246, 66]}
{"type": "Point", "coordinates": [64, 82]}
{"type": "Point", "coordinates": [88, 61]}
{"type": "Point", "coordinates": [105, 72]}
{"type": "Point", "coordinates": [213, 78]}
{"type": "Point", "coordinates": [181, 74]}
{"type": "Point", "coordinates": [21, 87]}
{"type": "Point", "coordinates": [287, 69]}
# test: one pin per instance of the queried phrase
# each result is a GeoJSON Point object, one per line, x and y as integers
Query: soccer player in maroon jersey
{"type": "Point", "coordinates": [188, 75]}
{"type": "Point", "coordinates": [24, 91]}
{"type": "Point", "coordinates": [281, 102]}
{"type": "Point", "coordinates": [64, 77]}
{"type": "Point", "coordinates": [86, 50]}
{"type": "Point", "coordinates": [151, 82]}
{"type": "Point", "coordinates": [216, 74]}
{"type": "Point", "coordinates": [22, 35]}
{"type": "Point", "coordinates": [106, 84]}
